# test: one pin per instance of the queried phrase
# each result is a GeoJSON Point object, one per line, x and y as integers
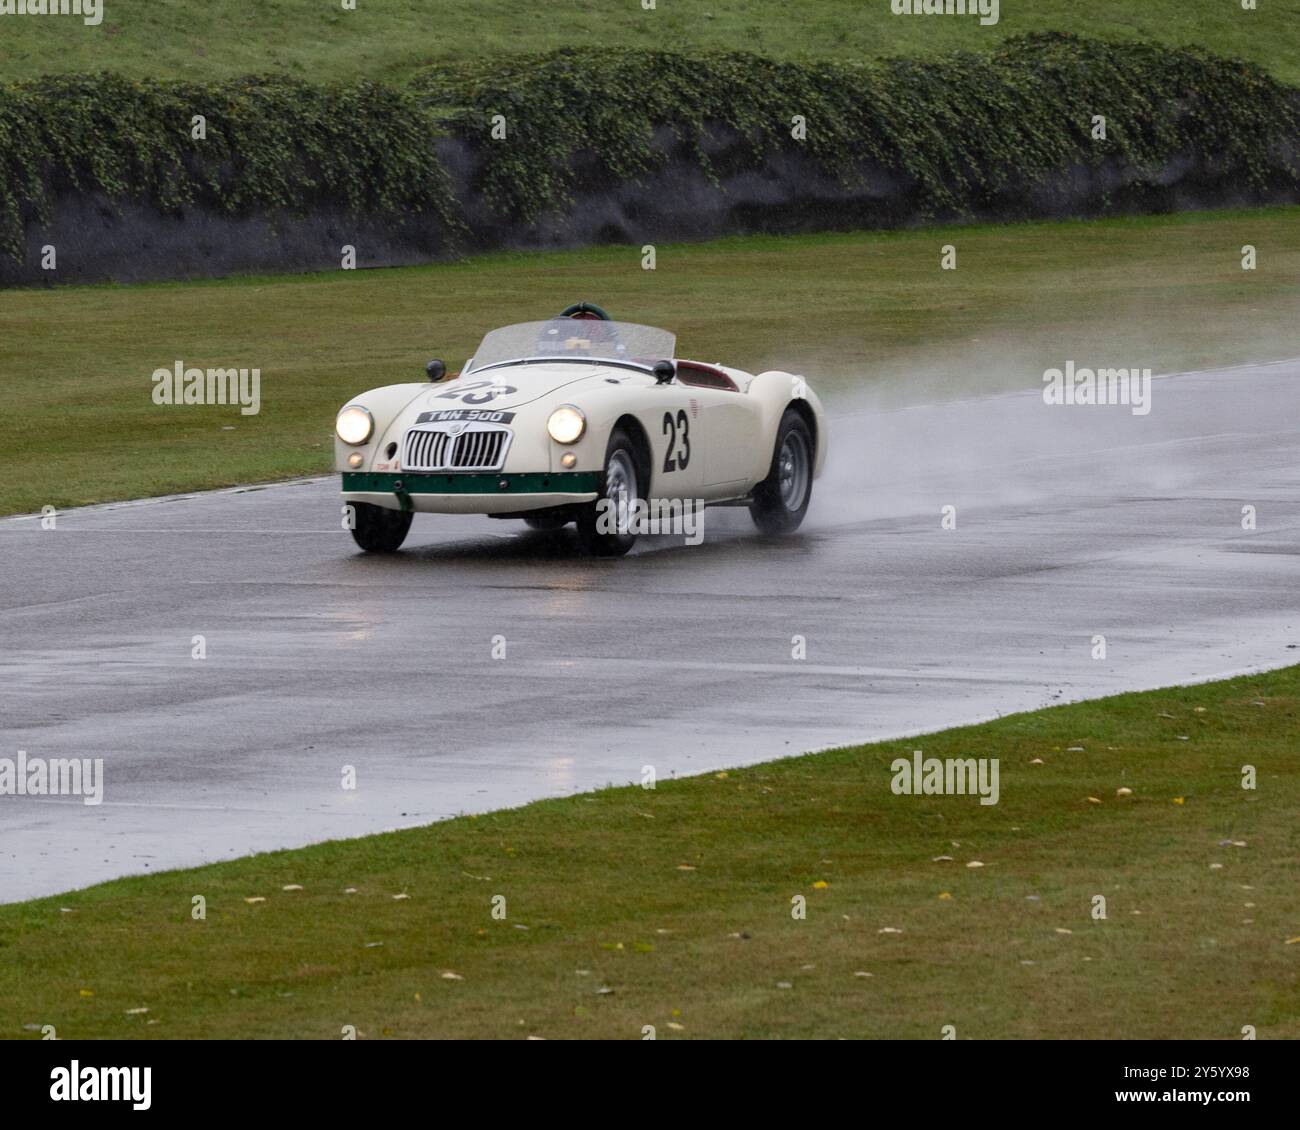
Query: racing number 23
{"type": "Point", "coordinates": [678, 431]}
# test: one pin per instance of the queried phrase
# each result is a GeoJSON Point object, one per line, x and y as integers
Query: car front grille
{"type": "Point", "coordinates": [479, 447]}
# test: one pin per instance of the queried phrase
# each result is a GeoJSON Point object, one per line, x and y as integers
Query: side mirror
{"type": "Point", "coordinates": [664, 372]}
{"type": "Point", "coordinates": [436, 369]}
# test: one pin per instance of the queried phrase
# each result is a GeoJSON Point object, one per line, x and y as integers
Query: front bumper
{"type": "Point", "coordinates": [463, 492]}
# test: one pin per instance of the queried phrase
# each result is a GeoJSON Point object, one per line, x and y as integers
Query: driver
{"type": "Point", "coordinates": [596, 337]}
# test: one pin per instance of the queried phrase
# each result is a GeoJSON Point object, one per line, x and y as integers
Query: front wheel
{"type": "Point", "coordinates": [781, 500]}
{"type": "Point", "coordinates": [376, 529]}
{"type": "Point", "coordinates": [605, 526]}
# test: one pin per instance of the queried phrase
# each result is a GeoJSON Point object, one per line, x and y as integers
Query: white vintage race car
{"type": "Point", "coordinates": [579, 419]}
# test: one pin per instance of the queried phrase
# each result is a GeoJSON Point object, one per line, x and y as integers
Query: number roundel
{"type": "Point", "coordinates": [477, 392]}
{"type": "Point", "coordinates": [678, 430]}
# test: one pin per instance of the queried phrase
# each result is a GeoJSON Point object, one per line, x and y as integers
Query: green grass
{"type": "Point", "coordinates": [679, 901]}
{"type": "Point", "coordinates": [391, 39]}
{"type": "Point", "coordinates": [867, 311]}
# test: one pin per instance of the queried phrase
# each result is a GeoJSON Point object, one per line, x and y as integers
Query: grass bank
{"type": "Point", "coordinates": [392, 39]}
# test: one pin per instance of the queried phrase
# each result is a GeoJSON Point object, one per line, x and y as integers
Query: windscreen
{"type": "Point", "coordinates": [576, 339]}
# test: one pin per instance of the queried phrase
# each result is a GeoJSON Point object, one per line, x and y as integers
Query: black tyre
{"type": "Point", "coordinates": [376, 529]}
{"type": "Point", "coordinates": [781, 500]}
{"type": "Point", "coordinates": [602, 530]}
{"type": "Point", "coordinates": [547, 522]}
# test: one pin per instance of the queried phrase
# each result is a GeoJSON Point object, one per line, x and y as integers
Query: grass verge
{"type": "Point", "coordinates": [856, 312]}
{"type": "Point", "coordinates": [391, 39]}
{"type": "Point", "coordinates": [673, 907]}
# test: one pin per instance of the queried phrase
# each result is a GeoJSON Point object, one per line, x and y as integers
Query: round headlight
{"type": "Point", "coordinates": [566, 424]}
{"type": "Point", "coordinates": [354, 425]}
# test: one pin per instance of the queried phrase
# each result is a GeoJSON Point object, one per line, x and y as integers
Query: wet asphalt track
{"type": "Point", "coordinates": [1071, 522]}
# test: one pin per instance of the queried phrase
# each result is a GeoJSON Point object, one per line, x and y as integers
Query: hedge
{"type": "Point", "coordinates": [966, 130]}
{"type": "Point", "coordinates": [270, 143]}
{"type": "Point", "coordinates": [967, 133]}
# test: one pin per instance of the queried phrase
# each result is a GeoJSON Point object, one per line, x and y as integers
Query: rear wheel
{"type": "Point", "coordinates": [376, 529]}
{"type": "Point", "coordinates": [781, 500]}
{"type": "Point", "coordinates": [604, 525]}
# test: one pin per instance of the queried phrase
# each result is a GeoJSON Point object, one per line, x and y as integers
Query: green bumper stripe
{"type": "Point", "coordinates": [387, 482]}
